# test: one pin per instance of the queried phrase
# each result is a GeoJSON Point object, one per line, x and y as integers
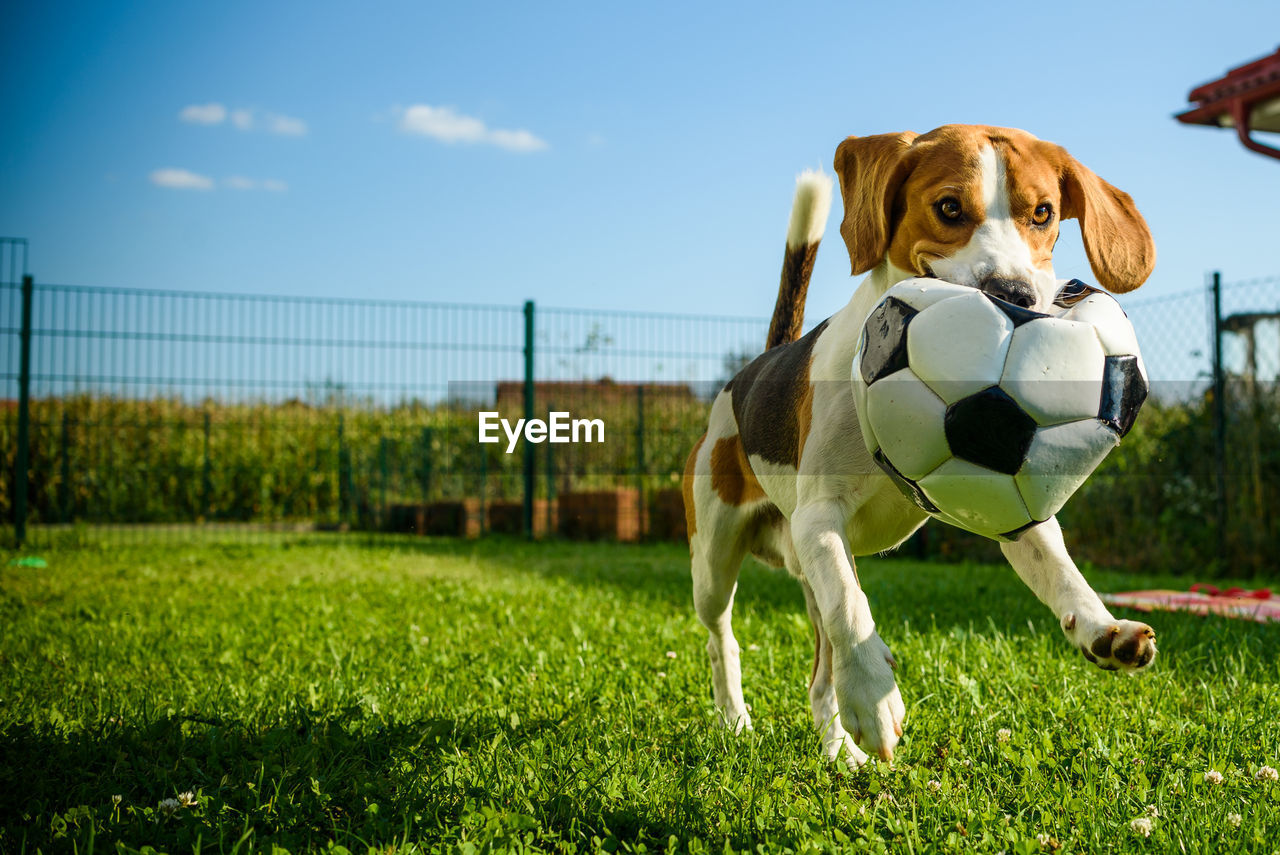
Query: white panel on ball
{"type": "Point", "coordinates": [920, 294]}
{"type": "Point", "coordinates": [1054, 370]}
{"type": "Point", "coordinates": [1114, 330]}
{"type": "Point", "coordinates": [1059, 460]}
{"type": "Point", "coordinates": [959, 346]}
{"type": "Point", "coordinates": [980, 500]}
{"type": "Point", "coordinates": [908, 419]}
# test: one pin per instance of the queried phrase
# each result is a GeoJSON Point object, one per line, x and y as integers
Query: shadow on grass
{"type": "Point", "coordinates": [311, 778]}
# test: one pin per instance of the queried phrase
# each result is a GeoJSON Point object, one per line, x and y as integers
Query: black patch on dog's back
{"type": "Point", "coordinates": [768, 395]}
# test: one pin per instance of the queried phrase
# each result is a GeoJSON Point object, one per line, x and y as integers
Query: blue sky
{"type": "Point", "coordinates": [631, 156]}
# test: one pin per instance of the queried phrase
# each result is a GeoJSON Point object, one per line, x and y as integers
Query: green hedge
{"type": "Point", "coordinates": [1151, 505]}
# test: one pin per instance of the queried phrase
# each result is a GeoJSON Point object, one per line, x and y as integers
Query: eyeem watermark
{"type": "Point", "coordinates": [559, 427]}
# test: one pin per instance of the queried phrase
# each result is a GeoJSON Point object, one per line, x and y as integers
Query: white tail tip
{"type": "Point", "coordinates": [810, 209]}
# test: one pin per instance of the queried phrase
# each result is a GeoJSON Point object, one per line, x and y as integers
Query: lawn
{"type": "Point", "coordinates": [317, 694]}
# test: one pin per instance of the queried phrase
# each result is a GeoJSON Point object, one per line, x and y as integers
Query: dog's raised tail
{"type": "Point", "coordinates": [804, 233]}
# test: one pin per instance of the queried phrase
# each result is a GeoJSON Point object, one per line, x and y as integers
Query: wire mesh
{"type": "Point", "coordinates": [168, 407]}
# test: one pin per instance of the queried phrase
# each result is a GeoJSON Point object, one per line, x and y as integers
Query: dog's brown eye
{"type": "Point", "coordinates": [949, 209]}
{"type": "Point", "coordinates": [1042, 214]}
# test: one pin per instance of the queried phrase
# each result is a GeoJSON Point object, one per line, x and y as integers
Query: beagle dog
{"type": "Point", "coordinates": [782, 471]}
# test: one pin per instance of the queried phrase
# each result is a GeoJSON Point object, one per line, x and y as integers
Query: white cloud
{"type": "Point", "coordinates": [244, 118]}
{"type": "Point", "coordinates": [442, 123]}
{"type": "Point", "coordinates": [204, 114]}
{"type": "Point", "coordinates": [286, 125]}
{"type": "Point", "coordinates": [447, 125]}
{"type": "Point", "coordinates": [520, 140]}
{"type": "Point", "coordinates": [185, 179]}
{"type": "Point", "coordinates": [181, 179]}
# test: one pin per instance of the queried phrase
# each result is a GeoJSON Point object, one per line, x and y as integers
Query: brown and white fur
{"type": "Point", "coordinates": [782, 472]}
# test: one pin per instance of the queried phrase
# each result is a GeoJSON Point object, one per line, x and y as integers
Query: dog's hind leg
{"type": "Point", "coordinates": [717, 556]}
{"type": "Point", "coordinates": [822, 693]}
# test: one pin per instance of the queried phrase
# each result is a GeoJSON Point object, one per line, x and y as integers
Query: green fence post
{"type": "Point", "coordinates": [551, 489]}
{"type": "Point", "coordinates": [640, 508]}
{"type": "Point", "coordinates": [1220, 418]}
{"type": "Point", "coordinates": [530, 460]}
{"type": "Point", "coordinates": [24, 415]}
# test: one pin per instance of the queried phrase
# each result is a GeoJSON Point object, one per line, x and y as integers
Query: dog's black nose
{"type": "Point", "coordinates": [1016, 291]}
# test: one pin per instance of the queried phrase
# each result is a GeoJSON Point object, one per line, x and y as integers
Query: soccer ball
{"type": "Point", "coordinates": [987, 415]}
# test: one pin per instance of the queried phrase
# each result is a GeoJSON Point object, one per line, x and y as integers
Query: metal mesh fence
{"type": "Point", "coordinates": [151, 410]}
{"type": "Point", "coordinates": [650, 377]}
{"type": "Point", "coordinates": [1248, 471]}
{"type": "Point", "coordinates": [174, 407]}
{"type": "Point", "coordinates": [159, 412]}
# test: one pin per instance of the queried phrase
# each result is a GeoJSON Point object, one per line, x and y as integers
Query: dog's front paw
{"type": "Point", "coordinates": [838, 745]}
{"type": "Point", "coordinates": [871, 708]}
{"type": "Point", "coordinates": [736, 719]}
{"type": "Point", "coordinates": [1122, 645]}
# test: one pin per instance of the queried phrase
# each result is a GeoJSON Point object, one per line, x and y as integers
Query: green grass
{"type": "Point", "coordinates": [443, 696]}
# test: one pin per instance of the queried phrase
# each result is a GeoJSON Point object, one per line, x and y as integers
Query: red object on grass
{"type": "Point", "coordinates": [1204, 599]}
{"type": "Point", "coordinates": [1212, 590]}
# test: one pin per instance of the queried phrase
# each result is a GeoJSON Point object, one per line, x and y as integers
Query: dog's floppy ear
{"type": "Point", "coordinates": [1116, 238]}
{"type": "Point", "coordinates": [871, 170]}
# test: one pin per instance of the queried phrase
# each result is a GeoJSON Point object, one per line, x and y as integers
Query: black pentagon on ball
{"type": "Point", "coordinates": [884, 347]}
{"type": "Point", "coordinates": [1123, 391]}
{"type": "Point", "coordinates": [1013, 312]}
{"type": "Point", "coordinates": [908, 487]}
{"type": "Point", "coordinates": [990, 429]}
